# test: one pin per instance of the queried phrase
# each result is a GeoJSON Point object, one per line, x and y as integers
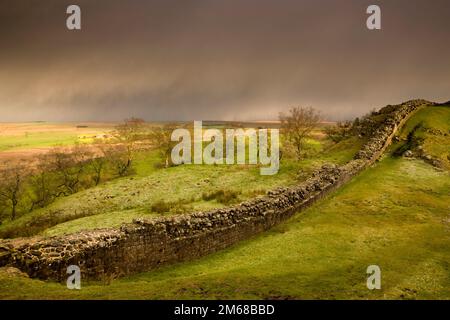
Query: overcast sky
{"type": "Point", "coordinates": [218, 59]}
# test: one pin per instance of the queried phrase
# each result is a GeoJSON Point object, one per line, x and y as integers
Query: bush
{"type": "Point", "coordinates": [222, 196]}
{"type": "Point", "coordinates": [161, 207]}
{"type": "Point", "coordinates": [174, 207]}
{"type": "Point", "coordinates": [339, 132]}
{"type": "Point", "coordinates": [412, 141]}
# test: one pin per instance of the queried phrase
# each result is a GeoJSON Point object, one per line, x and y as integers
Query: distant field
{"type": "Point", "coordinates": [20, 136]}
{"type": "Point", "coordinates": [25, 140]}
{"type": "Point", "coordinates": [29, 138]}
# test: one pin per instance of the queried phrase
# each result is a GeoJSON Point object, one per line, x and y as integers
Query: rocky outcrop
{"type": "Point", "coordinates": [147, 244]}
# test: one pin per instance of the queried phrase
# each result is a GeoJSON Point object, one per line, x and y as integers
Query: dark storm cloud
{"type": "Point", "coordinates": [218, 59]}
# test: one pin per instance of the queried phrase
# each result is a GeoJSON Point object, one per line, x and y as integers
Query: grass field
{"type": "Point", "coordinates": [434, 134]}
{"type": "Point", "coordinates": [16, 137]}
{"type": "Point", "coordinates": [121, 200]}
{"type": "Point", "coordinates": [395, 215]}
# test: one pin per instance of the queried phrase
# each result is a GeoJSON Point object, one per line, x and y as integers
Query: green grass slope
{"type": "Point", "coordinates": [430, 129]}
{"type": "Point", "coordinates": [395, 215]}
{"type": "Point", "coordinates": [118, 201]}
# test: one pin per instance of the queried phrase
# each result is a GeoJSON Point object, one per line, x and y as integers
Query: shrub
{"type": "Point", "coordinates": [412, 140]}
{"type": "Point", "coordinates": [339, 132]}
{"type": "Point", "coordinates": [161, 206]}
{"type": "Point", "coordinates": [174, 207]}
{"type": "Point", "coordinates": [221, 196]}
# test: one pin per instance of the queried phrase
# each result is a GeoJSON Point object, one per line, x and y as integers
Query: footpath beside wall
{"type": "Point", "coordinates": [147, 244]}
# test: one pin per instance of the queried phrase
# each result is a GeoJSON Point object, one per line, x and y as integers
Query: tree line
{"type": "Point", "coordinates": [63, 171]}
{"type": "Point", "coordinates": [27, 185]}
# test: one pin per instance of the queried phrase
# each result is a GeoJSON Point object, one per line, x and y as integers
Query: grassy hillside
{"type": "Point", "coordinates": [430, 129]}
{"type": "Point", "coordinates": [395, 215]}
{"type": "Point", "coordinates": [153, 192]}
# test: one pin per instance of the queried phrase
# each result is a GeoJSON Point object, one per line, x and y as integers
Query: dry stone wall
{"type": "Point", "coordinates": [147, 244]}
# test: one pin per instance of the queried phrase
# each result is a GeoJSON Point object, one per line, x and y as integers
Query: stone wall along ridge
{"type": "Point", "coordinates": [148, 244]}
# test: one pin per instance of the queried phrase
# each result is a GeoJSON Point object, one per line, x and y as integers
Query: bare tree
{"type": "Point", "coordinates": [42, 184]}
{"type": "Point", "coordinates": [12, 179]}
{"type": "Point", "coordinates": [99, 162]}
{"type": "Point", "coordinates": [69, 165]}
{"type": "Point", "coordinates": [298, 125]}
{"type": "Point", "coordinates": [117, 155]}
{"type": "Point", "coordinates": [98, 165]}
{"type": "Point", "coordinates": [128, 134]}
{"type": "Point", "coordinates": [160, 139]}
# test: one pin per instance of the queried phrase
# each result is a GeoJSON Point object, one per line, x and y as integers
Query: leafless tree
{"type": "Point", "coordinates": [298, 124]}
{"type": "Point", "coordinates": [69, 164]}
{"type": "Point", "coordinates": [42, 184]}
{"type": "Point", "coordinates": [99, 163]}
{"type": "Point", "coordinates": [12, 178]}
{"type": "Point", "coordinates": [117, 155]}
{"type": "Point", "coordinates": [127, 135]}
{"type": "Point", "coordinates": [160, 139]}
